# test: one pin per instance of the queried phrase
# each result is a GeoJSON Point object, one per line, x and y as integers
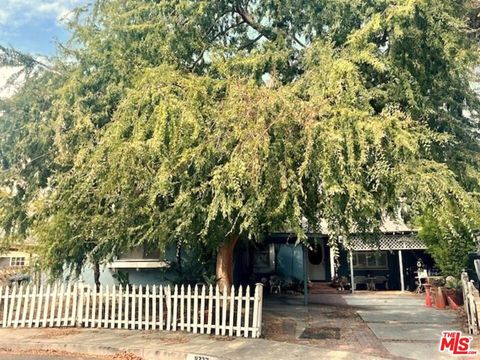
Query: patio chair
{"type": "Point", "coordinates": [421, 280]}
{"type": "Point", "coordinates": [360, 280]}
{"type": "Point", "coordinates": [382, 280]}
{"type": "Point", "coordinates": [275, 285]}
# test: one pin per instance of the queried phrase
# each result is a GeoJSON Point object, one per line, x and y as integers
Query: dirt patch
{"type": "Point", "coordinates": [63, 354]}
{"type": "Point", "coordinates": [341, 314]}
{"type": "Point", "coordinates": [167, 338]}
{"type": "Point", "coordinates": [55, 333]}
{"type": "Point", "coordinates": [274, 325]}
{"type": "Point", "coordinates": [124, 355]}
{"type": "Point", "coordinates": [321, 333]}
{"type": "Point", "coordinates": [221, 338]}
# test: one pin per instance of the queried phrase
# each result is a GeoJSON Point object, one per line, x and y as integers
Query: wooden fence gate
{"type": "Point", "coordinates": [471, 301]}
{"type": "Point", "coordinates": [198, 309]}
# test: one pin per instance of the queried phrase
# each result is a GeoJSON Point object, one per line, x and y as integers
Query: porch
{"type": "Point", "coordinates": [388, 263]}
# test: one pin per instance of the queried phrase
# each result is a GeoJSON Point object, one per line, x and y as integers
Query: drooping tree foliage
{"type": "Point", "coordinates": [206, 122]}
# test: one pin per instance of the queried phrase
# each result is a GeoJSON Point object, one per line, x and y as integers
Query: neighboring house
{"type": "Point", "coordinates": [14, 258]}
{"type": "Point", "coordinates": [14, 266]}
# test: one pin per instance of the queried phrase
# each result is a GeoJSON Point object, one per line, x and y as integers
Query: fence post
{"type": "Point", "coordinates": [210, 309]}
{"type": "Point", "coordinates": [247, 310]}
{"type": "Point", "coordinates": [160, 306]}
{"type": "Point", "coordinates": [195, 309]}
{"type": "Point", "coordinates": [182, 307]}
{"type": "Point", "coordinates": [224, 309]}
{"type": "Point", "coordinates": [106, 316]}
{"type": "Point", "coordinates": [19, 305]}
{"type": "Point", "coordinates": [217, 310]}
{"type": "Point", "coordinates": [120, 307]}
{"type": "Point", "coordinates": [66, 317]}
{"type": "Point", "coordinates": [175, 302]}
{"type": "Point", "coordinates": [140, 308]}
{"type": "Point", "coordinates": [168, 300]}
{"type": "Point", "coordinates": [13, 292]}
{"type": "Point", "coordinates": [31, 315]}
{"type": "Point", "coordinates": [189, 307]}
{"type": "Point", "coordinates": [45, 306]}
{"type": "Point", "coordinates": [81, 300]}
{"type": "Point", "coordinates": [24, 309]}
{"type": "Point", "coordinates": [232, 311]}
{"type": "Point", "coordinates": [75, 305]}
{"type": "Point", "coordinates": [202, 311]}
{"type": "Point", "coordinates": [147, 307]}
{"type": "Point", "coordinates": [239, 311]}
{"type": "Point", "coordinates": [257, 310]}
{"type": "Point", "coordinates": [39, 305]}
{"type": "Point", "coordinates": [5, 305]}
{"type": "Point", "coordinates": [127, 306]}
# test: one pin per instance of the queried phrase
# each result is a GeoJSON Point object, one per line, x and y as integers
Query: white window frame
{"type": "Point", "coordinates": [18, 261]}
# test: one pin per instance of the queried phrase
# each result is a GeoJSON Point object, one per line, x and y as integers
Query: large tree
{"type": "Point", "coordinates": [207, 122]}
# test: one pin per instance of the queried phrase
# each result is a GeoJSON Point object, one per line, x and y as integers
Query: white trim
{"type": "Point", "coordinates": [352, 278]}
{"type": "Point", "coordinates": [18, 261]}
{"type": "Point", "coordinates": [137, 264]}
{"type": "Point", "coordinates": [400, 264]}
{"type": "Point", "coordinates": [332, 263]}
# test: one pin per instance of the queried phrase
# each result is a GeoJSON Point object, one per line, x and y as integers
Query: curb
{"type": "Point", "coordinates": [147, 354]}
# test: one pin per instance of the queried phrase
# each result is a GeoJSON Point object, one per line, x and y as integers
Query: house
{"type": "Point", "coordinates": [388, 261]}
{"type": "Point", "coordinates": [13, 265]}
{"type": "Point", "coordinates": [16, 258]}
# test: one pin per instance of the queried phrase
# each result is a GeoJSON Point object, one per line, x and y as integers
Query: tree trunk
{"type": "Point", "coordinates": [96, 274]}
{"type": "Point", "coordinates": [225, 262]}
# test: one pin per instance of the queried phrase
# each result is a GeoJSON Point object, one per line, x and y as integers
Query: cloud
{"type": "Point", "coordinates": [3, 16]}
{"type": "Point", "coordinates": [18, 12]}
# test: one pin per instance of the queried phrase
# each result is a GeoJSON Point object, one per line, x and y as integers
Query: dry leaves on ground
{"type": "Point", "coordinates": [125, 355]}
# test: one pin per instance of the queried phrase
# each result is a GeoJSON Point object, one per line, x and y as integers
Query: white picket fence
{"type": "Point", "coordinates": [471, 303]}
{"type": "Point", "coordinates": [198, 309]}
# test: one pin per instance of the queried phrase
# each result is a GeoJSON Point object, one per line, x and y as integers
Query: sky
{"type": "Point", "coordinates": [34, 26]}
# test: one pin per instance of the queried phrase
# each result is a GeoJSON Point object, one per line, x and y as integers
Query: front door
{"type": "Point", "coordinates": [316, 261]}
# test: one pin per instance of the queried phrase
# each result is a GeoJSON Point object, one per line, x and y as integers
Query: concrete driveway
{"type": "Point", "coordinates": [403, 324]}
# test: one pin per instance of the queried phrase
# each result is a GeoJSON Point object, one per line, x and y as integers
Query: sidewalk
{"type": "Point", "coordinates": [162, 345]}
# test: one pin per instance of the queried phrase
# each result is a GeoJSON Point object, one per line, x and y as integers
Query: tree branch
{"type": "Point", "coordinates": [267, 32]}
{"type": "Point", "coordinates": [223, 32]}
{"type": "Point", "coordinates": [298, 41]}
{"type": "Point", "coordinates": [250, 43]}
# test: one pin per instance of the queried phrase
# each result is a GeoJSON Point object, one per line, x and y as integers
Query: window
{"type": "Point", "coordinates": [17, 261]}
{"type": "Point", "coordinates": [264, 259]}
{"type": "Point", "coordinates": [315, 254]}
{"type": "Point", "coordinates": [370, 260]}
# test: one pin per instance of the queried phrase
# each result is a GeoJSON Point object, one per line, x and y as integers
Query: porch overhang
{"type": "Point", "coordinates": [386, 241]}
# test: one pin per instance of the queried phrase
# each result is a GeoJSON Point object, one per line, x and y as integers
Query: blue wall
{"type": "Point", "coordinates": [140, 277]}
{"type": "Point", "coordinates": [290, 261]}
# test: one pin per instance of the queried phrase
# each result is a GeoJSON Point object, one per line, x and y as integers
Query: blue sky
{"type": "Point", "coordinates": [34, 26]}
